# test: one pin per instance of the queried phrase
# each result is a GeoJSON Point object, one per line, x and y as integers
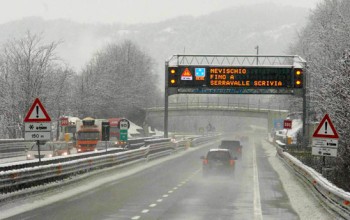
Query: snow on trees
{"type": "Point", "coordinates": [325, 43]}
{"type": "Point", "coordinates": [28, 69]}
{"type": "Point", "coordinates": [118, 81]}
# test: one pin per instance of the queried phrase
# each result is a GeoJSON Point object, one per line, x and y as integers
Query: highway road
{"type": "Point", "coordinates": [175, 189]}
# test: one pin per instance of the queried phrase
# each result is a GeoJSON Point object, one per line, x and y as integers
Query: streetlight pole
{"type": "Point", "coordinates": [257, 54]}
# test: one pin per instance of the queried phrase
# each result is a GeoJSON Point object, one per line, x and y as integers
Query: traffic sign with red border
{"type": "Point", "coordinates": [287, 124]}
{"type": "Point", "coordinates": [37, 113]}
{"type": "Point", "coordinates": [325, 129]}
{"type": "Point", "coordinates": [64, 121]}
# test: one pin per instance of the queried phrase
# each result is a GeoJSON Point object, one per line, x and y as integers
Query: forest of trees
{"type": "Point", "coordinates": [119, 81]}
{"type": "Point", "coordinates": [325, 44]}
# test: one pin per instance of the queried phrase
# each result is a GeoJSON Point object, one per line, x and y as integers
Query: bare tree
{"type": "Point", "coordinates": [28, 69]}
{"type": "Point", "coordinates": [118, 82]}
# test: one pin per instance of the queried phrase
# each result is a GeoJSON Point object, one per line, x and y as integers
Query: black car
{"type": "Point", "coordinates": [233, 146]}
{"type": "Point", "coordinates": [218, 161]}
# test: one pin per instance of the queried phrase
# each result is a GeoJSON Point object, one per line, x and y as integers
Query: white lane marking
{"type": "Point", "coordinates": [179, 185]}
{"type": "Point", "coordinates": [153, 205]}
{"type": "Point", "coordinates": [170, 191]}
{"type": "Point", "coordinates": [165, 195]}
{"type": "Point", "coordinates": [175, 188]}
{"type": "Point", "coordinates": [257, 202]}
{"type": "Point", "coordinates": [159, 200]}
{"type": "Point", "coordinates": [135, 217]}
{"type": "Point", "coordinates": [145, 211]}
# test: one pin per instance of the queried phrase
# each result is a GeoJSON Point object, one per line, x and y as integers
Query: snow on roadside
{"type": "Point", "coordinates": [302, 200]}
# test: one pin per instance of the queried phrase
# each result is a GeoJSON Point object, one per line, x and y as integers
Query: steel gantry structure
{"type": "Point", "coordinates": [235, 74]}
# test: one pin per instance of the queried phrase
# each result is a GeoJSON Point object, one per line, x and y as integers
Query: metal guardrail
{"type": "Point", "coordinates": [333, 197]}
{"type": "Point", "coordinates": [133, 144]}
{"type": "Point", "coordinates": [20, 178]}
{"type": "Point", "coordinates": [13, 148]}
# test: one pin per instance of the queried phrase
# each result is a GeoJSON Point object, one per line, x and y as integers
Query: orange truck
{"type": "Point", "coordinates": [88, 135]}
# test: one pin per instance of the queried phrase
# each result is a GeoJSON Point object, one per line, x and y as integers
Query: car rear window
{"type": "Point", "coordinates": [230, 143]}
{"type": "Point", "coordinates": [218, 155]}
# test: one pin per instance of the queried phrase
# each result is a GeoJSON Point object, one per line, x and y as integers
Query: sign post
{"type": "Point", "coordinates": [37, 124]}
{"type": "Point", "coordinates": [287, 124]}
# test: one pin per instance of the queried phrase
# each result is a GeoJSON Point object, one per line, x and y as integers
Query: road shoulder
{"type": "Point", "coordinates": [302, 201]}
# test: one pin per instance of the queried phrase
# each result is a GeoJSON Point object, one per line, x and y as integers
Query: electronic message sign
{"type": "Point", "coordinates": [235, 77]}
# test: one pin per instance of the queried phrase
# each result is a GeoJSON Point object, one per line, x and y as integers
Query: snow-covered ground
{"type": "Point", "coordinates": [302, 200]}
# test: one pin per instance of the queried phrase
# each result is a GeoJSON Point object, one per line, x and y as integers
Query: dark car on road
{"type": "Point", "coordinates": [217, 162]}
{"type": "Point", "coordinates": [233, 146]}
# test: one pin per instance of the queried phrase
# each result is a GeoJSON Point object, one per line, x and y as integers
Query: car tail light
{"type": "Point", "coordinates": [232, 162]}
{"type": "Point", "coordinates": [205, 161]}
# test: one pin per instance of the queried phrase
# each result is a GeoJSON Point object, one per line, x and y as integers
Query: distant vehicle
{"type": "Point", "coordinates": [50, 149]}
{"type": "Point", "coordinates": [68, 131]}
{"type": "Point", "coordinates": [88, 134]}
{"type": "Point", "coordinates": [233, 146]}
{"type": "Point", "coordinates": [218, 161]}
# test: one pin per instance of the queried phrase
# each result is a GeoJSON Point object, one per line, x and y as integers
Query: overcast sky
{"type": "Point", "coordinates": [122, 11]}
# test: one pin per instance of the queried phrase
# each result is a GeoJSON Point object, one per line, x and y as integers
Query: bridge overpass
{"type": "Point", "coordinates": [186, 116]}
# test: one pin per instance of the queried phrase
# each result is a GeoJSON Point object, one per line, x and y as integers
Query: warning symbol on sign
{"type": "Point", "coordinates": [37, 113]}
{"type": "Point", "coordinates": [186, 75]}
{"type": "Point", "coordinates": [325, 129]}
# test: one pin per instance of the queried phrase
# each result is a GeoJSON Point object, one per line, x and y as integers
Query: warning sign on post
{"type": "Point", "coordinates": [37, 123]}
{"type": "Point", "coordinates": [37, 113]}
{"type": "Point", "coordinates": [325, 139]}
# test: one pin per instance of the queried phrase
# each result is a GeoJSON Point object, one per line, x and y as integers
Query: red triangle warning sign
{"type": "Point", "coordinates": [186, 75]}
{"type": "Point", "coordinates": [325, 129]}
{"type": "Point", "coordinates": [37, 113]}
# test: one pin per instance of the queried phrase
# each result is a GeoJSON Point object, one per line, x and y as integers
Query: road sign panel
{"type": "Point", "coordinates": [234, 77]}
{"type": "Point", "coordinates": [186, 75]}
{"type": "Point", "coordinates": [124, 124]}
{"type": "Point", "coordinates": [325, 142]}
{"type": "Point", "coordinates": [123, 135]}
{"type": "Point", "coordinates": [324, 151]}
{"type": "Point", "coordinates": [37, 113]}
{"type": "Point", "coordinates": [37, 126]}
{"type": "Point", "coordinates": [325, 129]}
{"type": "Point", "coordinates": [64, 121]}
{"type": "Point", "coordinates": [287, 124]}
{"type": "Point", "coordinates": [37, 136]}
